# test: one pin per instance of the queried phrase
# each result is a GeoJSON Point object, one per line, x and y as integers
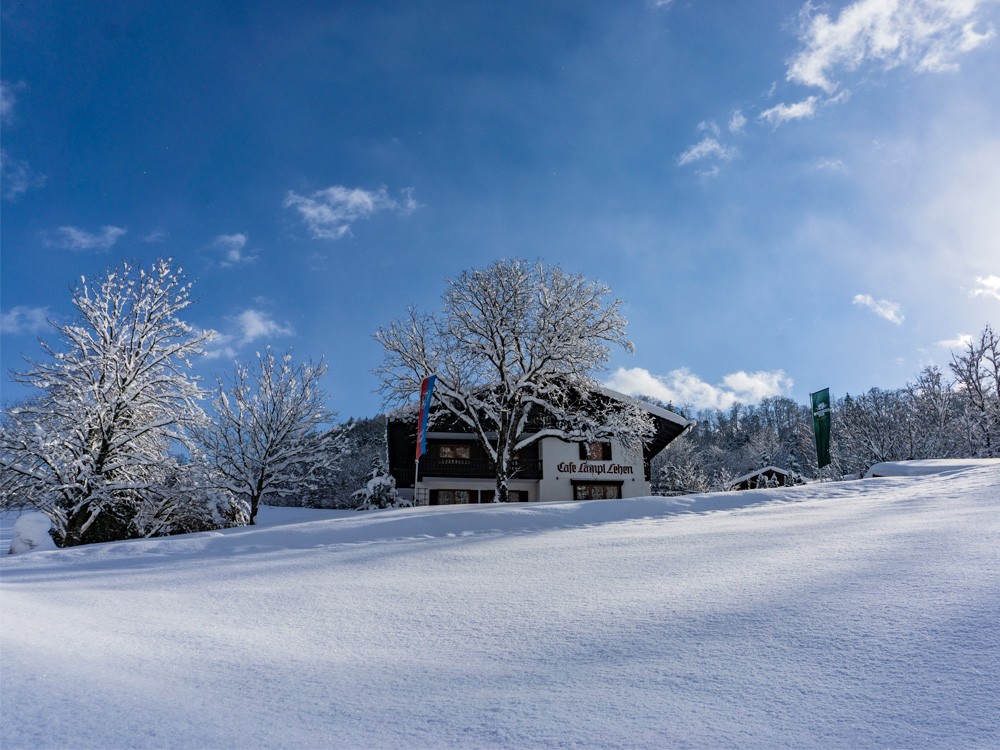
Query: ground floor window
{"type": "Point", "coordinates": [461, 497]}
{"type": "Point", "coordinates": [513, 496]}
{"type": "Point", "coordinates": [597, 490]}
{"type": "Point", "coordinates": [451, 497]}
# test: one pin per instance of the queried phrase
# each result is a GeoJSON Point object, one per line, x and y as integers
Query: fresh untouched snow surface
{"type": "Point", "coordinates": [854, 614]}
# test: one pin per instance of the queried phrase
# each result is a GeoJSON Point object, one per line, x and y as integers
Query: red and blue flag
{"type": "Point", "coordinates": [426, 389]}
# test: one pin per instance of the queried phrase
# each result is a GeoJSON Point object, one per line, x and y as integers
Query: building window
{"type": "Point", "coordinates": [513, 496]}
{"type": "Point", "coordinates": [597, 490]}
{"type": "Point", "coordinates": [451, 497]}
{"type": "Point", "coordinates": [455, 451]}
{"type": "Point", "coordinates": [595, 451]}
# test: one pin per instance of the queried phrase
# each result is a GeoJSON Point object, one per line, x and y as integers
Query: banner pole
{"type": "Point", "coordinates": [821, 411]}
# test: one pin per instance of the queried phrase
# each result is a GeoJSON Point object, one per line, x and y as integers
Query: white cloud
{"type": "Point", "coordinates": [330, 213]}
{"type": "Point", "coordinates": [7, 101]}
{"type": "Point", "coordinates": [891, 311]}
{"type": "Point", "coordinates": [987, 286]}
{"type": "Point", "coordinates": [233, 247]}
{"type": "Point", "coordinates": [926, 35]}
{"type": "Point", "coordinates": [737, 122]}
{"type": "Point", "coordinates": [780, 113]}
{"type": "Point", "coordinates": [244, 328]}
{"type": "Point", "coordinates": [157, 234]}
{"type": "Point", "coordinates": [681, 386]}
{"type": "Point", "coordinates": [23, 319]}
{"type": "Point", "coordinates": [705, 149]}
{"type": "Point", "coordinates": [960, 341]}
{"type": "Point", "coordinates": [72, 238]}
{"type": "Point", "coordinates": [17, 176]}
{"type": "Point", "coordinates": [257, 324]}
{"type": "Point", "coordinates": [708, 126]}
{"type": "Point", "coordinates": [832, 165]}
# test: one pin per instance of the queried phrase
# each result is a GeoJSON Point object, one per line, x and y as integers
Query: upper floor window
{"type": "Point", "coordinates": [595, 451]}
{"type": "Point", "coordinates": [455, 451]}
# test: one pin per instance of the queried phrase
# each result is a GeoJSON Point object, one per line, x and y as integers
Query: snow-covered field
{"type": "Point", "coordinates": [856, 614]}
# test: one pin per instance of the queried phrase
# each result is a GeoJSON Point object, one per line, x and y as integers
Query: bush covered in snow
{"type": "Point", "coordinates": [31, 532]}
{"type": "Point", "coordinates": [379, 491]}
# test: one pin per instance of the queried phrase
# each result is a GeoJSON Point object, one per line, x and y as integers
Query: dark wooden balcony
{"type": "Point", "coordinates": [432, 466]}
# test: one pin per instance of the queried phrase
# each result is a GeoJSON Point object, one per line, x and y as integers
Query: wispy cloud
{"type": "Point", "coordinates": [254, 325]}
{"type": "Point", "coordinates": [960, 341]}
{"type": "Point", "coordinates": [707, 148]}
{"type": "Point", "coordinates": [23, 319]}
{"type": "Point", "coordinates": [926, 35]}
{"type": "Point", "coordinates": [831, 165]}
{"type": "Point", "coordinates": [245, 328]}
{"type": "Point", "coordinates": [73, 238]}
{"type": "Point", "coordinates": [987, 286]}
{"type": "Point", "coordinates": [709, 126]}
{"type": "Point", "coordinates": [156, 234]}
{"type": "Point", "coordinates": [234, 249]}
{"type": "Point", "coordinates": [330, 213]}
{"type": "Point", "coordinates": [781, 113]}
{"type": "Point", "coordinates": [737, 121]}
{"type": "Point", "coordinates": [891, 311]}
{"type": "Point", "coordinates": [681, 386]}
{"type": "Point", "coordinates": [17, 176]}
{"type": "Point", "coordinates": [7, 101]}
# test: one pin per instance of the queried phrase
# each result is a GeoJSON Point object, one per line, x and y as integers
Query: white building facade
{"type": "Point", "coordinates": [456, 469]}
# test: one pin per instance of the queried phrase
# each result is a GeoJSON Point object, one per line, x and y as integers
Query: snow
{"type": "Point", "coordinates": [31, 532]}
{"type": "Point", "coordinates": [927, 466]}
{"type": "Point", "coordinates": [849, 614]}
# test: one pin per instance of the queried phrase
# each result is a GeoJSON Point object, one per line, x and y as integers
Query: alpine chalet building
{"type": "Point", "coordinates": [456, 470]}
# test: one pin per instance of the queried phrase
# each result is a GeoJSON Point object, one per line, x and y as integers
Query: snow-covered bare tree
{"type": "Point", "coordinates": [514, 351]}
{"type": "Point", "coordinates": [267, 438]}
{"type": "Point", "coordinates": [91, 449]}
{"type": "Point", "coordinates": [935, 417]}
{"type": "Point", "coordinates": [977, 372]}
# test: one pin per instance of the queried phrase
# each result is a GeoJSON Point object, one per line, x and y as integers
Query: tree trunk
{"type": "Point", "coordinates": [503, 493]}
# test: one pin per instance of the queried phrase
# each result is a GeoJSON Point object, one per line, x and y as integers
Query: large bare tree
{"type": "Point", "coordinates": [91, 449]}
{"type": "Point", "coordinates": [977, 371]}
{"type": "Point", "coordinates": [514, 350]}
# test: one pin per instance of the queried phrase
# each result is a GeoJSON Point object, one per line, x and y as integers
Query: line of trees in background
{"type": "Point", "coordinates": [116, 444]}
{"type": "Point", "coordinates": [953, 414]}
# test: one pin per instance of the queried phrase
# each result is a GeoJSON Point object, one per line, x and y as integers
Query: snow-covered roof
{"type": "Point", "coordinates": [658, 411]}
{"type": "Point", "coordinates": [758, 472]}
{"type": "Point", "coordinates": [410, 409]}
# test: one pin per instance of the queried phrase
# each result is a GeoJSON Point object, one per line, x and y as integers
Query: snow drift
{"type": "Point", "coordinates": [852, 614]}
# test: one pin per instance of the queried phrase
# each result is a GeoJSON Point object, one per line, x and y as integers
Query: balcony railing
{"type": "Point", "coordinates": [522, 468]}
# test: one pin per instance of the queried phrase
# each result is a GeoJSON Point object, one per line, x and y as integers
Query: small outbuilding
{"type": "Point", "coordinates": [769, 476]}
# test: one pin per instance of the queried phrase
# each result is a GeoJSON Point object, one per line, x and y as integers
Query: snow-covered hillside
{"type": "Point", "coordinates": [856, 614]}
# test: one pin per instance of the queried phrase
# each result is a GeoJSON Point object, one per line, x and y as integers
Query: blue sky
{"type": "Point", "coordinates": [786, 196]}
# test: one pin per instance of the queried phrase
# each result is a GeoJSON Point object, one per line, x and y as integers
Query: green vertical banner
{"type": "Point", "coordinates": [821, 425]}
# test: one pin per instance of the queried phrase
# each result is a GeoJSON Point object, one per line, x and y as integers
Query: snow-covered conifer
{"type": "Point", "coordinates": [379, 491]}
